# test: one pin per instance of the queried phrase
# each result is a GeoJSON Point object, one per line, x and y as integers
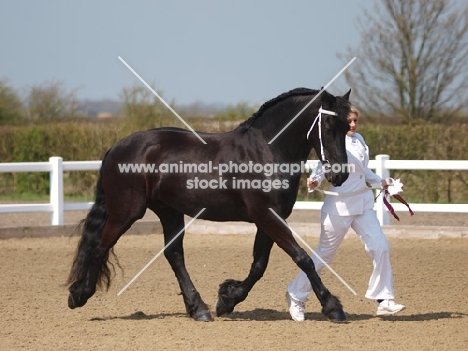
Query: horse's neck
{"type": "Point", "coordinates": [295, 152]}
{"type": "Point", "coordinates": [290, 142]}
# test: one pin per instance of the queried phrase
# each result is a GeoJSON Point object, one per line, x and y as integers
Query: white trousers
{"type": "Point", "coordinates": [334, 229]}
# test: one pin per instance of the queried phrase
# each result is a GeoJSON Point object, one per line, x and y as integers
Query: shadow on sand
{"type": "Point", "coordinates": [260, 314]}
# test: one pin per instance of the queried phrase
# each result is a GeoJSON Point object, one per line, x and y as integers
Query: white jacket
{"type": "Point", "coordinates": [350, 205]}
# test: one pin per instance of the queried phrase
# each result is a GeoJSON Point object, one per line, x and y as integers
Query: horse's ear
{"type": "Point", "coordinates": [346, 96]}
{"type": "Point", "coordinates": [325, 97]}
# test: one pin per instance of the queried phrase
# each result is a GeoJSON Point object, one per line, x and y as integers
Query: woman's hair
{"type": "Point", "coordinates": [354, 110]}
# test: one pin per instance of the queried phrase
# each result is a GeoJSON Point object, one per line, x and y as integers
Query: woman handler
{"type": "Point", "coordinates": [353, 207]}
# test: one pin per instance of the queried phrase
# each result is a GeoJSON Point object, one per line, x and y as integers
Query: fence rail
{"type": "Point", "coordinates": [382, 165]}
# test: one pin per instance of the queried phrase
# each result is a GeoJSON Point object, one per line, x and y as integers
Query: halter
{"type": "Point", "coordinates": [319, 119]}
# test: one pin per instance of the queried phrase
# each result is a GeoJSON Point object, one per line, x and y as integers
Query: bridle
{"type": "Point", "coordinates": [319, 119]}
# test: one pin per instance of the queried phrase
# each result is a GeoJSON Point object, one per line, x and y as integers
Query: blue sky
{"type": "Point", "coordinates": [193, 51]}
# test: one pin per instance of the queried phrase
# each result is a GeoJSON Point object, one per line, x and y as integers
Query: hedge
{"type": "Point", "coordinates": [87, 140]}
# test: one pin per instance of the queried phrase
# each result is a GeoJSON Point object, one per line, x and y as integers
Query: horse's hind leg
{"type": "Point", "coordinates": [231, 292]}
{"type": "Point", "coordinates": [173, 225]}
{"type": "Point", "coordinates": [98, 271]}
{"type": "Point", "coordinates": [102, 228]}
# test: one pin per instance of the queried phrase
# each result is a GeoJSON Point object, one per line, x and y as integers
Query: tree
{"type": "Point", "coordinates": [142, 109]}
{"type": "Point", "coordinates": [11, 107]}
{"type": "Point", "coordinates": [51, 101]}
{"type": "Point", "coordinates": [411, 59]}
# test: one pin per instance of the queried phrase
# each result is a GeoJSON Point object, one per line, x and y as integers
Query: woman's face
{"type": "Point", "coordinates": [353, 123]}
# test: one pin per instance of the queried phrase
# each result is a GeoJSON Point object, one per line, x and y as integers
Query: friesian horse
{"type": "Point", "coordinates": [247, 191]}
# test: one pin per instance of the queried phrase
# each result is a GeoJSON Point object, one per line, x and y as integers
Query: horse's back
{"type": "Point", "coordinates": [172, 166]}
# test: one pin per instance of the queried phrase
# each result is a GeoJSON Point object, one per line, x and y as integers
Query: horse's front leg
{"type": "Point", "coordinates": [283, 237]}
{"type": "Point", "coordinates": [173, 224]}
{"type": "Point", "coordinates": [231, 292]}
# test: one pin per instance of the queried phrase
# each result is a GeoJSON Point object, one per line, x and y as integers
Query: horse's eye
{"type": "Point", "coordinates": [328, 131]}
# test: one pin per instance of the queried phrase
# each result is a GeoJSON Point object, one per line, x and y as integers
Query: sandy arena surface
{"type": "Point", "coordinates": [431, 279]}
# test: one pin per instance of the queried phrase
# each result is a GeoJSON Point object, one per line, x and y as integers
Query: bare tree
{"type": "Point", "coordinates": [412, 59]}
{"type": "Point", "coordinates": [51, 101]}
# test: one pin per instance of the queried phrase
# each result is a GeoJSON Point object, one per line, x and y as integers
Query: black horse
{"type": "Point", "coordinates": [241, 175]}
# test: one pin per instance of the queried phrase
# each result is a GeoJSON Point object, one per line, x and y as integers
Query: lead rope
{"type": "Point", "coordinates": [389, 206]}
{"type": "Point", "coordinates": [374, 186]}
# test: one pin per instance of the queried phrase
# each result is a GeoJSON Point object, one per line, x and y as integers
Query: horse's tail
{"type": "Point", "coordinates": [88, 247]}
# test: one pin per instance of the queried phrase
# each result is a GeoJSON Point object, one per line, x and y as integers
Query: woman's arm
{"type": "Point", "coordinates": [315, 178]}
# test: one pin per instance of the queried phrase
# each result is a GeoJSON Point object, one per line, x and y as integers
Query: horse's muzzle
{"type": "Point", "coordinates": [337, 179]}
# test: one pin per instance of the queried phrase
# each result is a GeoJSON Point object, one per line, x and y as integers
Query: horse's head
{"type": "Point", "coordinates": [329, 137]}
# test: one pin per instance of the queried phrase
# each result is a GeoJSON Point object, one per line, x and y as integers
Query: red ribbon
{"type": "Point", "coordinates": [389, 206]}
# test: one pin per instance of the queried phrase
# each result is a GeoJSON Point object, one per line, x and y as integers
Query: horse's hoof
{"type": "Point", "coordinates": [203, 317]}
{"type": "Point", "coordinates": [337, 316]}
{"type": "Point", "coordinates": [71, 302]}
{"type": "Point", "coordinates": [221, 309]}
{"type": "Point", "coordinates": [75, 300]}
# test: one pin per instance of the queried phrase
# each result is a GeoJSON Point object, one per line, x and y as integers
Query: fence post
{"type": "Point", "coordinates": [56, 190]}
{"type": "Point", "coordinates": [382, 214]}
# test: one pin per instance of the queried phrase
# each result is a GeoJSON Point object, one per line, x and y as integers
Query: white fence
{"type": "Point", "coordinates": [56, 166]}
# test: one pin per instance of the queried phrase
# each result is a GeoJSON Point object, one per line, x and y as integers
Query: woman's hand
{"type": "Point", "coordinates": [387, 182]}
{"type": "Point", "coordinates": [312, 184]}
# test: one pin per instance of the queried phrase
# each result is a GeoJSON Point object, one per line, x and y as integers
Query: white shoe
{"type": "Point", "coordinates": [388, 307]}
{"type": "Point", "coordinates": [296, 308]}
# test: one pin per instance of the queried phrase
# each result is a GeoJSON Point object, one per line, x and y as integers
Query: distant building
{"type": "Point", "coordinates": [103, 115]}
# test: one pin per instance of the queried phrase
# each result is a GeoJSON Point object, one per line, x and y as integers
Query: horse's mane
{"type": "Point", "coordinates": [295, 92]}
